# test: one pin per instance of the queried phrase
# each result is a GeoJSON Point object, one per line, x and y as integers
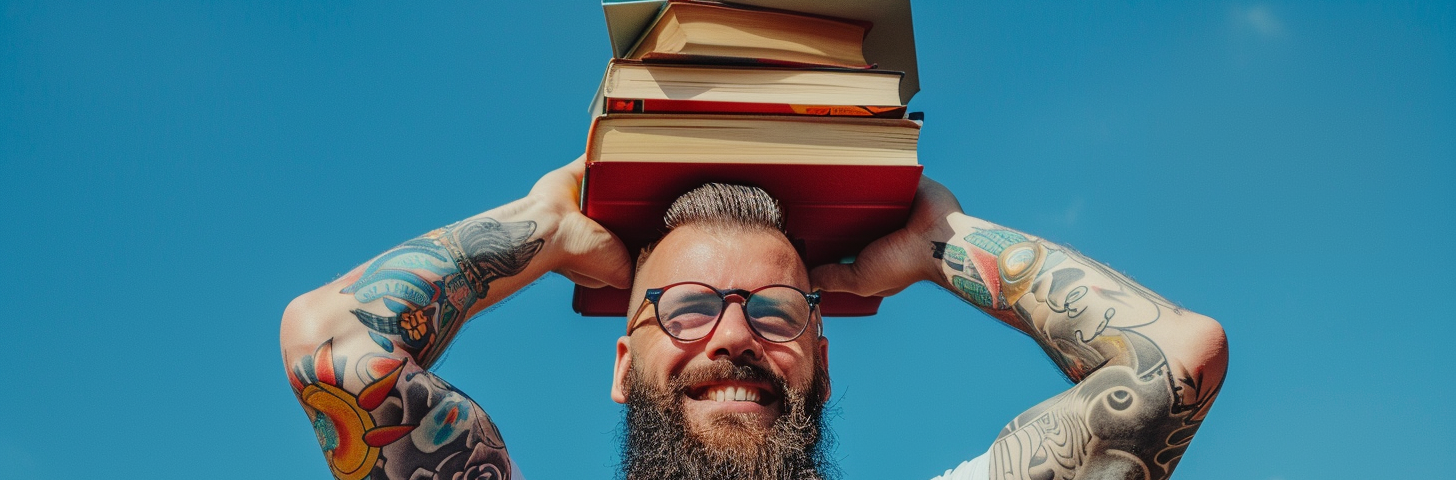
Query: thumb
{"type": "Point", "coordinates": [885, 267]}
{"type": "Point", "coordinates": [842, 278]}
{"type": "Point", "coordinates": [583, 280]}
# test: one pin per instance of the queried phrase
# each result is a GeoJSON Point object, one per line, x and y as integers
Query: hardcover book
{"type": "Point", "coordinates": [889, 43]}
{"type": "Point", "coordinates": [629, 105]}
{"type": "Point", "coordinates": [711, 32]}
{"type": "Point", "coordinates": [637, 87]}
{"type": "Point", "coordinates": [842, 182]}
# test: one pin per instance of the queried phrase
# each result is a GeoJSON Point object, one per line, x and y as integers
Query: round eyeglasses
{"type": "Point", "coordinates": [688, 311]}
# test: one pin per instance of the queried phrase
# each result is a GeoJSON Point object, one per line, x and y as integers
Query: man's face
{"type": "Point", "coordinates": [688, 376]}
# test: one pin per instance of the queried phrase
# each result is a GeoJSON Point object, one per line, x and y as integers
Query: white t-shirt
{"type": "Point", "coordinates": [973, 469]}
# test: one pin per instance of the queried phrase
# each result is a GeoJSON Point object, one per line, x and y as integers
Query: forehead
{"type": "Point", "coordinates": [724, 258]}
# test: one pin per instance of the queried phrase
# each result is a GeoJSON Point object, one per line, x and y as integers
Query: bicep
{"type": "Point", "coordinates": [382, 416]}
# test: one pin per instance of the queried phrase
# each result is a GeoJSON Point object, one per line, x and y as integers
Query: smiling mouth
{"type": "Point", "coordinates": [733, 392]}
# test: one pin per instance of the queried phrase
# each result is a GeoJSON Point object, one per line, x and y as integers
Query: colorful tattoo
{"type": "Point", "coordinates": [393, 420]}
{"type": "Point", "coordinates": [344, 423]}
{"type": "Point", "coordinates": [994, 269]}
{"type": "Point", "coordinates": [430, 283]}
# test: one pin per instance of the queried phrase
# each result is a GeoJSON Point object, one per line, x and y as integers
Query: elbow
{"type": "Point", "coordinates": [303, 329]}
{"type": "Point", "coordinates": [305, 324]}
{"type": "Point", "coordinates": [1206, 346]}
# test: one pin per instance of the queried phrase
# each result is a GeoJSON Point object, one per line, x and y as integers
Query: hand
{"type": "Point", "coordinates": [888, 265]}
{"type": "Point", "coordinates": [584, 252]}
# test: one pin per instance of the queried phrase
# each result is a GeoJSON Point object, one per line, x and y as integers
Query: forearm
{"type": "Point", "coordinates": [412, 299]}
{"type": "Point", "coordinates": [1083, 313]}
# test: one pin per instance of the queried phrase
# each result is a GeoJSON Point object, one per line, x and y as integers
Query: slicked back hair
{"type": "Point", "coordinates": [722, 206]}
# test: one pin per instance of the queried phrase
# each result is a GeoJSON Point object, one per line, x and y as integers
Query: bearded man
{"type": "Point", "coordinates": [724, 367]}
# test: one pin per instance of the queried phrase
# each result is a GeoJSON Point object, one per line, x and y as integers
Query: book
{"type": "Point", "coordinates": [637, 87]}
{"type": "Point", "coordinates": [625, 105]}
{"type": "Point", "coordinates": [842, 182]}
{"type": "Point", "coordinates": [710, 32]}
{"type": "Point", "coordinates": [752, 139]}
{"type": "Point", "coordinates": [890, 42]}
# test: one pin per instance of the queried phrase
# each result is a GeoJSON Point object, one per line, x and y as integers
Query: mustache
{"type": "Point", "coordinates": [725, 370]}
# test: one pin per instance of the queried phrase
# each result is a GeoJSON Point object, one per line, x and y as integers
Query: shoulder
{"type": "Point", "coordinates": [974, 469]}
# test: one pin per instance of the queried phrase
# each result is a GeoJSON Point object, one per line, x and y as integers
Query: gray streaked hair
{"type": "Point", "coordinates": [721, 204]}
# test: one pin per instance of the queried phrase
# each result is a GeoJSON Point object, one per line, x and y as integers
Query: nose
{"type": "Point", "coordinates": [733, 339]}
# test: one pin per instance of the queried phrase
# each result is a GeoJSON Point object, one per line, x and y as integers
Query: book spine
{"type": "Point", "coordinates": [651, 105]}
{"type": "Point", "coordinates": [621, 62]}
{"type": "Point", "coordinates": [687, 58]}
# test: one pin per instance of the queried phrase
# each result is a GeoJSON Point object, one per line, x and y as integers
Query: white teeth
{"type": "Point", "coordinates": [728, 393]}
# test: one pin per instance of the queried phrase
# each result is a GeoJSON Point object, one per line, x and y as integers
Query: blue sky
{"type": "Point", "coordinates": [176, 172]}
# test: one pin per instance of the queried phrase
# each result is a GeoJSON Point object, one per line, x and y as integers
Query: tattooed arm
{"type": "Point", "coordinates": [358, 350]}
{"type": "Point", "coordinates": [1146, 370]}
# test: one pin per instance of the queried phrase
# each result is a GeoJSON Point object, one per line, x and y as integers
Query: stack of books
{"type": "Point", "coordinates": [805, 99]}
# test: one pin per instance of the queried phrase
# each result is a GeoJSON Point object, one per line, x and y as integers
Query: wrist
{"type": "Point", "coordinates": [571, 239]}
{"type": "Point", "coordinates": [946, 250]}
{"type": "Point", "coordinates": [545, 218]}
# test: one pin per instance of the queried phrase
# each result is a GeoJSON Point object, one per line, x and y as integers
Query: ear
{"type": "Point", "coordinates": [823, 345]}
{"type": "Point", "coordinates": [622, 369]}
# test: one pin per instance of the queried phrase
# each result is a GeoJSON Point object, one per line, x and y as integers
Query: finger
{"type": "Point", "coordinates": [567, 176]}
{"type": "Point", "coordinates": [884, 267]}
{"type": "Point", "coordinates": [847, 278]}
{"type": "Point", "coordinates": [576, 168]}
{"type": "Point", "coordinates": [583, 280]}
{"type": "Point", "coordinates": [928, 184]}
{"type": "Point", "coordinates": [842, 278]}
{"type": "Point", "coordinates": [612, 265]}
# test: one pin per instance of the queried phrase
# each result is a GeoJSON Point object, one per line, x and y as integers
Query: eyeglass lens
{"type": "Point", "coordinates": [689, 311]}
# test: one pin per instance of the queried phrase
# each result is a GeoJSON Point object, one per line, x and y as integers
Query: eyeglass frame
{"type": "Point", "coordinates": [654, 295]}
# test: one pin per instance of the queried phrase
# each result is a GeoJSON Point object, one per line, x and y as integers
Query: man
{"type": "Point", "coordinates": [724, 367]}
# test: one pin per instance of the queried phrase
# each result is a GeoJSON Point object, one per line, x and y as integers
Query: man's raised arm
{"type": "Point", "coordinates": [358, 349]}
{"type": "Point", "coordinates": [1146, 371]}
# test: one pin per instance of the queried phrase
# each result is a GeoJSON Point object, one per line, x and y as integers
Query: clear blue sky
{"type": "Point", "coordinates": [174, 173]}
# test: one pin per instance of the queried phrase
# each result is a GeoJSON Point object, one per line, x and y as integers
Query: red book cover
{"type": "Point", "coordinates": [650, 105]}
{"type": "Point", "coordinates": [688, 58]}
{"type": "Point", "coordinates": [830, 211]}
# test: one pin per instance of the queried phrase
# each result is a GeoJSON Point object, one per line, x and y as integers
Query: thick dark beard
{"type": "Point", "coordinates": [658, 443]}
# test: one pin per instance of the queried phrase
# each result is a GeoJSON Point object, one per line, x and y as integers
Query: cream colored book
{"type": "Point", "coordinates": [744, 139]}
{"type": "Point", "coordinates": [889, 42]}
{"type": "Point", "coordinates": [628, 79]}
